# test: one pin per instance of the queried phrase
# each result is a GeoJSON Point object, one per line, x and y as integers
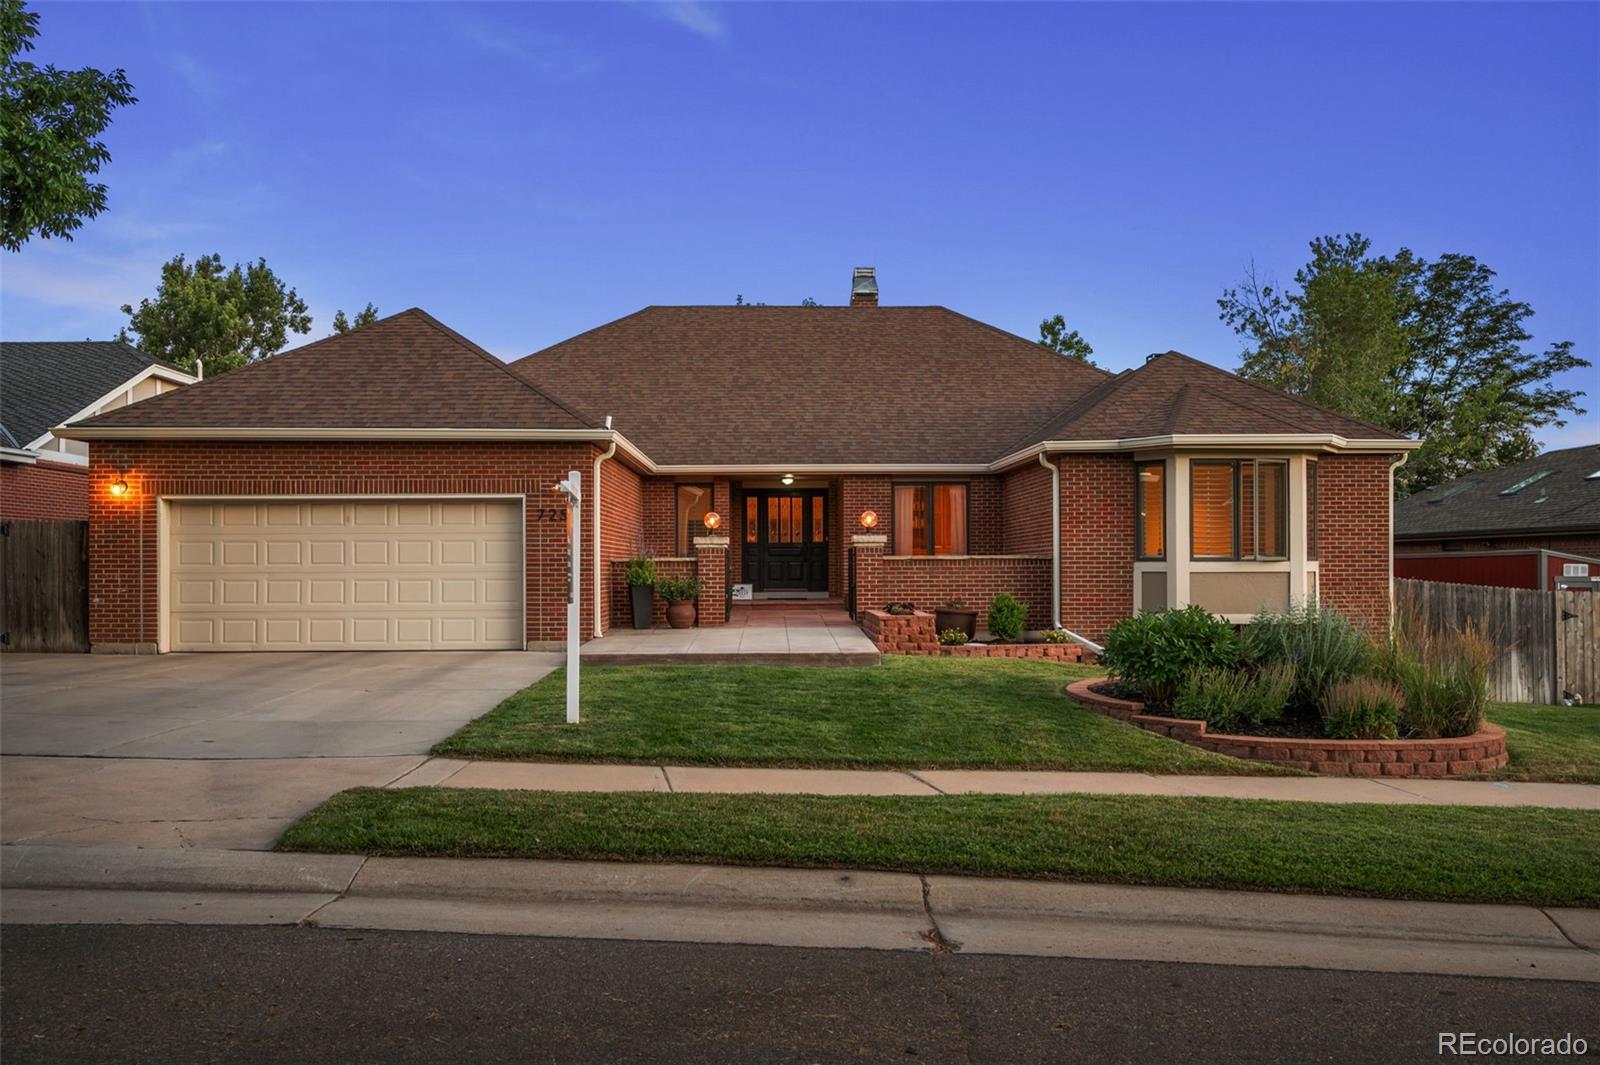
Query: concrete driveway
{"type": "Point", "coordinates": [309, 705]}
{"type": "Point", "coordinates": [222, 750]}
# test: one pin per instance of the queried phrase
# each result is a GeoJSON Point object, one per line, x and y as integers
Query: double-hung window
{"type": "Point", "coordinates": [1150, 502]}
{"type": "Point", "coordinates": [930, 519]}
{"type": "Point", "coordinates": [1239, 509]}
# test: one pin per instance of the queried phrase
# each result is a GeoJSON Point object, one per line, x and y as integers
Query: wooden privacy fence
{"type": "Point", "coordinates": [44, 585]}
{"type": "Point", "coordinates": [1548, 643]}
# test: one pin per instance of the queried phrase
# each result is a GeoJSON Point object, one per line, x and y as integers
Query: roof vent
{"type": "Point", "coordinates": [864, 287]}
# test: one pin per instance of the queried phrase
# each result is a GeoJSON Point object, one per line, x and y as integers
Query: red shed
{"type": "Point", "coordinates": [1525, 568]}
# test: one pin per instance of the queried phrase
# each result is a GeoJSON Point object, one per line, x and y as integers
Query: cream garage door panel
{"type": "Point", "coordinates": [345, 575]}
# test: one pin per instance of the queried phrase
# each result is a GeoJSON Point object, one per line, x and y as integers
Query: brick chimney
{"type": "Point", "coordinates": [864, 287]}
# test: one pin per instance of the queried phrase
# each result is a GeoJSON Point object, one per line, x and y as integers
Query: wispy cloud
{"type": "Point", "coordinates": [693, 15]}
{"type": "Point", "coordinates": [201, 80]}
{"type": "Point", "coordinates": [548, 54]}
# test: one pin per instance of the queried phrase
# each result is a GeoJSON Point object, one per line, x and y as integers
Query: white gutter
{"type": "Point", "coordinates": [1055, 556]}
{"type": "Point", "coordinates": [599, 628]}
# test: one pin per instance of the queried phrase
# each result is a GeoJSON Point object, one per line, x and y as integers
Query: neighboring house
{"type": "Point", "coordinates": [1534, 524]}
{"type": "Point", "coordinates": [45, 384]}
{"type": "Point", "coordinates": [393, 487]}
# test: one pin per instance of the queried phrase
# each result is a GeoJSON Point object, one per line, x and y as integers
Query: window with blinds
{"type": "Point", "coordinates": [1239, 509]}
{"type": "Point", "coordinates": [1151, 499]}
{"type": "Point", "coordinates": [1214, 510]}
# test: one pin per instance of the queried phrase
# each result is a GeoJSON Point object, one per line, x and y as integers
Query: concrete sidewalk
{"type": "Point", "coordinates": [571, 776]}
{"type": "Point", "coordinates": [796, 907]}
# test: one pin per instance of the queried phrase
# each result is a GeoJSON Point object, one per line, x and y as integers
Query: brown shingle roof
{"type": "Point", "coordinates": [1175, 394]}
{"type": "Point", "coordinates": [407, 371]}
{"type": "Point", "coordinates": [811, 385]}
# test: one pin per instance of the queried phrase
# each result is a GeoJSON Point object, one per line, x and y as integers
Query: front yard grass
{"type": "Point", "coordinates": [1553, 743]}
{"type": "Point", "coordinates": [1480, 854]}
{"type": "Point", "coordinates": [907, 713]}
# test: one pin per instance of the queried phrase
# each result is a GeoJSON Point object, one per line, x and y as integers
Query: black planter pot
{"type": "Point", "coordinates": [643, 599]}
{"type": "Point", "coordinates": [956, 618]}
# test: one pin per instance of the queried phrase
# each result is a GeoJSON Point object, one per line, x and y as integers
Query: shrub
{"type": "Point", "coordinates": [1361, 708]}
{"type": "Point", "coordinates": [953, 637]}
{"type": "Point", "coordinates": [1157, 650]}
{"type": "Point", "coordinates": [1443, 675]}
{"type": "Point", "coordinates": [678, 590]}
{"type": "Point", "coordinates": [1235, 700]}
{"type": "Point", "coordinates": [1006, 617]}
{"type": "Point", "coordinates": [955, 604]}
{"type": "Point", "coordinates": [1056, 636]}
{"type": "Point", "coordinates": [899, 610]}
{"type": "Point", "coordinates": [1321, 644]}
{"type": "Point", "coordinates": [641, 572]}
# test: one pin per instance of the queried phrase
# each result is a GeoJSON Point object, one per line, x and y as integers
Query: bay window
{"type": "Point", "coordinates": [1239, 509]}
{"type": "Point", "coordinates": [1150, 488]}
{"type": "Point", "coordinates": [930, 519]}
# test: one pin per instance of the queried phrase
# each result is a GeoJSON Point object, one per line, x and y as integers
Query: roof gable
{"type": "Point", "coordinates": [43, 383]}
{"type": "Point", "coordinates": [407, 371]}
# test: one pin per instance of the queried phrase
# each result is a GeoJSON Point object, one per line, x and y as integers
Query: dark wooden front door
{"type": "Point", "coordinates": [786, 540]}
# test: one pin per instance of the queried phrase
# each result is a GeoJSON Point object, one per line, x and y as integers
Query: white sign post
{"type": "Point", "coordinates": [572, 490]}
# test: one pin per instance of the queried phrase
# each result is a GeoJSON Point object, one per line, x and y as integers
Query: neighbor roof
{"type": "Point", "coordinates": [43, 383]}
{"type": "Point", "coordinates": [407, 371]}
{"type": "Point", "coordinates": [1174, 394]}
{"type": "Point", "coordinates": [1558, 491]}
{"type": "Point", "coordinates": [811, 385]}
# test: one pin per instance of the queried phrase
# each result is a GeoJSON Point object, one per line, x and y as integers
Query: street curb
{"type": "Point", "coordinates": [169, 869]}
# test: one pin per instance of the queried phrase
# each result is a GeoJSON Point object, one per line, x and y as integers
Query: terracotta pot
{"type": "Point", "coordinates": [680, 615]}
{"type": "Point", "coordinates": [643, 600]}
{"type": "Point", "coordinates": [955, 618]}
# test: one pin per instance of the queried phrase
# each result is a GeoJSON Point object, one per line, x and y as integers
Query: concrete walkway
{"type": "Point", "coordinates": [766, 634]}
{"type": "Point", "coordinates": [796, 907]}
{"type": "Point", "coordinates": [567, 776]}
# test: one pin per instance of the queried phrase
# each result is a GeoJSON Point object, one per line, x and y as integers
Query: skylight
{"type": "Point", "coordinates": [1525, 482]}
{"type": "Point", "coordinates": [1595, 476]}
{"type": "Point", "coordinates": [1454, 490]}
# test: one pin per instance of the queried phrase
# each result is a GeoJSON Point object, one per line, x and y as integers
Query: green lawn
{"type": "Point", "coordinates": [1559, 743]}
{"type": "Point", "coordinates": [907, 713]}
{"type": "Point", "coordinates": [1484, 854]}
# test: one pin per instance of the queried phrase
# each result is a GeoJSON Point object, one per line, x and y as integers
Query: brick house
{"type": "Point", "coordinates": [392, 487]}
{"type": "Point", "coordinates": [42, 385]}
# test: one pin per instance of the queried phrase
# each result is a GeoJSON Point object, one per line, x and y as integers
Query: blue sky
{"type": "Point", "coordinates": [528, 171]}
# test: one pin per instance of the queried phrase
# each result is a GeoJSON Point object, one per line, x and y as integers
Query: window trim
{"type": "Point", "coordinates": [895, 486]}
{"type": "Point", "coordinates": [680, 529]}
{"type": "Point", "coordinates": [1311, 509]}
{"type": "Point", "coordinates": [1138, 511]}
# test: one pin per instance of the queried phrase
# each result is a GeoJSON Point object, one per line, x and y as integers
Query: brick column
{"type": "Point", "coordinates": [711, 566]}
{"type": "Point", "coordinates": [867, 549]}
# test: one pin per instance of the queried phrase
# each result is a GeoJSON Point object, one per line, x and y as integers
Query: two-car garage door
{"type": "Point", "coordinates": [361, 574]}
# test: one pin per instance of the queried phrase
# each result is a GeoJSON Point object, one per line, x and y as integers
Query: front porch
{"type": "Point", "coordinates": [791, 633]}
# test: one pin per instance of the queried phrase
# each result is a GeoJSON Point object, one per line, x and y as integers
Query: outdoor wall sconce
{"type": "Point", "coordinates": [712, 520]}
{"type": "Point", "coordinates": [787, 478]}
{"type": "Point", "coordinates": [869, 518]}
{"type": "Point", "coordinates": [119, 487]}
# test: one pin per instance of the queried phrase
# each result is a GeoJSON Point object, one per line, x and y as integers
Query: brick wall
{"type": "Point", "coordinates": [123, 594]}
{"type": "Point", "coordinates": [986, 517]}
{"type": "Point", "coordinates": [659, 535]}
{"type": "Point", "coordinates": [1096, 542]}
{"type": "Point", "coordinates": [1353, 536]}
{"type": "Point", "coordinates": [622, 594]}
{"type": "Point", "coordinates": [927, 582]}
{"type": "Point", "coordinates": [1025, 511]}
{"type": "Point", "coordinates": [48, 491]}
{"type": "Point", "coordinates": [621, 532]}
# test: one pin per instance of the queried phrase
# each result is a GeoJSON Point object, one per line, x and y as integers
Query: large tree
{"type": "Point", "coordinates": [221, 317]}
{"type": "Point", "coordinates": [50, 122]}
{"type": "Point", "coordinates": [1054, 335]}
{"type": "Point", "coordinates": [365, 316]}
{"type": "Point", "coordinates": [1433, 350]}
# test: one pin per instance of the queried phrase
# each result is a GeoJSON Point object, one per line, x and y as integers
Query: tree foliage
{"type": "Point", "coordinates": [1434, 350]}
{"type": "Point", "coordinates": [365, 316]}
{"type": "Point", "coordinates": [50, 122]}
{"type": "Point", "coordinates": [221, 317]}
{"type": "Point", "coordinates": [1054, 335]}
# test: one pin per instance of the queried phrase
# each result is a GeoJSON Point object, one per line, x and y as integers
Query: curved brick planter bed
{"type": "Point", "coordinates": [1479, 753]}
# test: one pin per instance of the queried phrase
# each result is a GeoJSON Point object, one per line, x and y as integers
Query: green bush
{"type": "Point", "coordinates": [641, 572]}
{"type": "Point", "coordinates": [1321, 644]}
{"type": "Point", "coordinates": [1443, 675]}
{"type": "Point", "coordinates": [1056, 636]}
{"type": "Point", "coordinates": [1157, 650]}
{"type": "Point", "coordinates": [1006, 617]}
{"type": "Point", "coordinates": [1235, 700]}
{"type": "Point", "coordinates": [953, 637]}
{"type": "Point", "coordinates": [679, 589]}
{"type": "Point", "coordinates": [1361, 708]}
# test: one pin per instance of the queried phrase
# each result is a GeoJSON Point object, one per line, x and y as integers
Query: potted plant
{"type": "Point", "coordinates": [641, 574]}
{"type": "Point", "coordinates": [680, 594]}
{"type": "Point", "coordinates": [955, 615]}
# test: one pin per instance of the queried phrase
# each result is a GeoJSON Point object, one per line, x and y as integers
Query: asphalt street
{"type": "Point", "coordinates": [106, 993]}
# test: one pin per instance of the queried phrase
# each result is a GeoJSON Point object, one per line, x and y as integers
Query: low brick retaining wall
{"type": "Point", "coordinates": [913, 634]}
{"type": "Point", "coordinates": [1479, 753]}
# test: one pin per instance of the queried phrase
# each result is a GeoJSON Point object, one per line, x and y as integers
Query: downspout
{"type": "Point", "coordinates": [598, 459]}
{"type": "Point", "coordinates": [1393, 466]}
{"type": "Point", "coordinates": [1055, 555]}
